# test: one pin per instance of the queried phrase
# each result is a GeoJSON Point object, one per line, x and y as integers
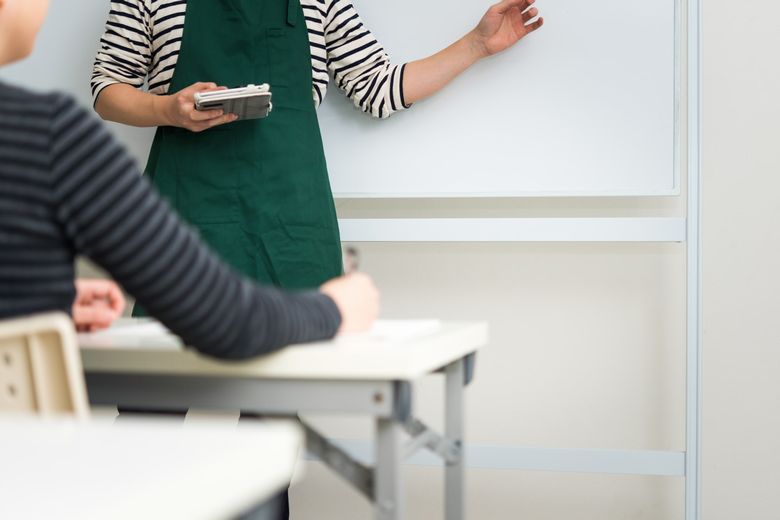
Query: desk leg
{"type": "Point", "coordinates": [387, 472]}
{"type": "Point", "coordinates": [454, 482]}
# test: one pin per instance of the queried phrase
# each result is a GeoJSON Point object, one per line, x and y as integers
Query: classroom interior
{"type": "Point", "coordinates": [572, 334]}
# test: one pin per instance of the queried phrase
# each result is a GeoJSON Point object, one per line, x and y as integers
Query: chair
{"type": "Point", "coordinates": [40, 367]}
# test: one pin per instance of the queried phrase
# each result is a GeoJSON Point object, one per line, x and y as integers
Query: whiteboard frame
{"type": "Point", "coordinates": [675, 190]}
{"type": "Point", "coordinates": [643, 229]}
{"type": "Point", "coordinates": [694, 341]}
{"type": "Point", "coordinates": [685, 464]}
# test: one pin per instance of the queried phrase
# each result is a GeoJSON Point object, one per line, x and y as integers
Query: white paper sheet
{"type": "Point", "coordinates": [144, 327]}
{"type": "Point", "coordinates": [397, 330]}
{"type": "Point", "coordinates": [383, 330]}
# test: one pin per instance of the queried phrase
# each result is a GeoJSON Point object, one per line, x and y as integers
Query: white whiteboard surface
{"type": "Point", "coordinates": [585, 106]}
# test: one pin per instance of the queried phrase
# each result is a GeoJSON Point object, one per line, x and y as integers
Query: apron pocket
{"type": "Point", "coordinates": [286, 58]}
{"type": "Point", "coordinates": [303, 257]}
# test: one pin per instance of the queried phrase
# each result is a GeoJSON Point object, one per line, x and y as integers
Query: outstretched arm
{"type": "Point", "coordinates": [503, 25]}
{"type": "Point", "coordinates": [357, 61]}
{"type": "Point", "coordinates": [363, 70]}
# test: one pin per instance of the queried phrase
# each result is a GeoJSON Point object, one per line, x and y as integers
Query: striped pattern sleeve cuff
{"type": "Point", "coordinates": [125, 54]}
{"type": "Point", "coordinates": [359, 63]}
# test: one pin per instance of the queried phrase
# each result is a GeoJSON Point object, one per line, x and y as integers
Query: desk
{"type": "Point", "coordinates": [369, 374]}
{"type": "Point", "coordinates": [141, 469]}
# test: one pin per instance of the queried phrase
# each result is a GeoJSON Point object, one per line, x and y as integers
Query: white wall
{"type": "Point", "coordinates": [742, 257]}
{"type": "Point", "coordinates": [587, 351]}
{"type": "Point", "coordinates": [587, 347]}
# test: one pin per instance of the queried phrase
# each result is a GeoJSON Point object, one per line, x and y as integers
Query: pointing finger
{"type": "Point", "coordinates": [531, 27]}
{"type": "Point", "coordinates": [530, 14]}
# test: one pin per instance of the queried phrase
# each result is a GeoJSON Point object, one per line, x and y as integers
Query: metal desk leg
{"type": "Point", "coordinates": [454, 481]}
{"type": "Point", "coordinates": [387, 476]}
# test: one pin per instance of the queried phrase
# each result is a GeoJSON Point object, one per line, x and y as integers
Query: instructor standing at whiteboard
{"type": "Point", "coordinates": [258, 190]}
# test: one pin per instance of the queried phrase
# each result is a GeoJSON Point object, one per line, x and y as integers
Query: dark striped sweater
{"type": "Point", "coordinates": [67, 188]}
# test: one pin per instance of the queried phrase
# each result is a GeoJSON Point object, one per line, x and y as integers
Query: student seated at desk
{"type": "Point", "coordinates": [68, 188]}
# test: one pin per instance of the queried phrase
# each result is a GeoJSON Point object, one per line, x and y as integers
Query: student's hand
{"type": "Point", "coordinates": [179, 109]}
{"type": "Point", "coordinates": [98, 303]}
{"type": "Point", "coordinates": [505, 24]}
{"type": "Point", "coordinates": [357, 299]}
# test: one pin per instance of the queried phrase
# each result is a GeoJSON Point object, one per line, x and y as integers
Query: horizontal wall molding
{"type": "Point", "coordinates": [514, 230]}
{"type": "Point", "coordinates": [615, 462]}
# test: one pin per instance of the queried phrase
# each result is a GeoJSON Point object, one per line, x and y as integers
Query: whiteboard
{"type": "Point", "coordinates": [585, 106]}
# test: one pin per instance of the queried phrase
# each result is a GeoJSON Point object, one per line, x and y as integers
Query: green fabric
{"type": "Point", "coordinates": [257, 191]}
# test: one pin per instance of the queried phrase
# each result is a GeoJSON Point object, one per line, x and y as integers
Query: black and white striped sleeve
{"type": "Point", "coordinates": [113, 216]}
{"type": "Point", "coordinates": [360, 65]}
{"type": "Point", "coordinates": [125, 53]}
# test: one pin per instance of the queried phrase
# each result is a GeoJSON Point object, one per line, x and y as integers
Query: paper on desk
{"type": "Point", "coordinates": [383, 330]}
{"type": "Point", "coordinates": [136, 328]}
{"type": "Point", "coordinates": [397, 330]}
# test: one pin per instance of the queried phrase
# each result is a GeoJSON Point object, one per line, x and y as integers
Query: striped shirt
{"type": "Point", "coordinates": [68, 188]}
{"type": "Point", "coordinates": [143, 38]}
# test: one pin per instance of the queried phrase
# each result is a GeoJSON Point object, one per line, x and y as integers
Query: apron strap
{"type": "Point", "coordinates": [293, 10]}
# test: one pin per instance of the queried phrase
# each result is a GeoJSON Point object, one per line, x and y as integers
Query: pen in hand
{"type": "Point", "coordinates": [355, 295]}
{"type": "Point", "coordinates": [351, 260]}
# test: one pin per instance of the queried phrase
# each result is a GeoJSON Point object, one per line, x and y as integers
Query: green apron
{"type": "Point", "coordinates": [257, 191]}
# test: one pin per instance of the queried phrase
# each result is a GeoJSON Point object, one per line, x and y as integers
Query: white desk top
{"type": "Point", "coordinates": [146, 469]}
{"type": "Point", "coordinates": [395, 350]}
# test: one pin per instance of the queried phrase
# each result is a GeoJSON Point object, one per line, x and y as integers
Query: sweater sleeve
{"type": "Point", "coordinates": [111, 214]}
{"type": "Point", "coordinates": [360, 65]}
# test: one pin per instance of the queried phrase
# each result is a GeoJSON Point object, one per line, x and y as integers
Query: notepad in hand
{"type": "Point", "coordinates": [250, 102]}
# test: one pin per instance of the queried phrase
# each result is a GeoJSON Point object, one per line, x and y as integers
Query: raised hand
{"type": "Point", "coordinates": [505, 24]}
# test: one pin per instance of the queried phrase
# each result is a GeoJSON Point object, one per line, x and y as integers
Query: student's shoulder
{"type": "Point", "coordinates": [42, 112]}
{"type": "Point", "coordinates": [43, 103]}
